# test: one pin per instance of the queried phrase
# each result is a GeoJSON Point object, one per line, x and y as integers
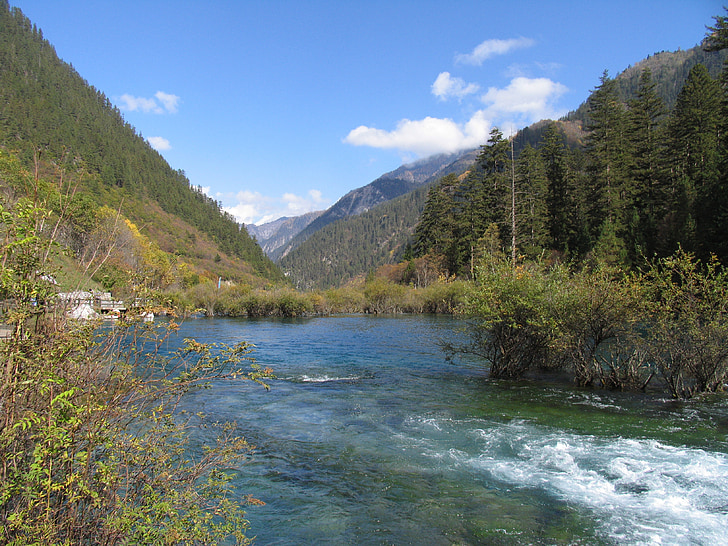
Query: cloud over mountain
{"type": "Point", "coordinates": [424, 137]}
{"type": "Point", "coordinates": [161, 103]}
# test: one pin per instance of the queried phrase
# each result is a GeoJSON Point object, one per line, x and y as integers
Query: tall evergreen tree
{"type": "Point", "coordinates": [694, 148]}
{"type": "Point", "coordinates": [645, 142]}
{"type": "Point", "coordinates": [605, 152]}
{"type": "Point", "coordinates": [480, 201]}
{"type": "Point", "coordinates": [531, 208]}
{"type": "Point", "coordinates": [717, 40]}
{"type": "Point", "coordinates": [435, 232]}
{"type": "Point", "coordinates": [558, 206]}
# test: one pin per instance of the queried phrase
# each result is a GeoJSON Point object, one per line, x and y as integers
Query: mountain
{"type": "Point", "coordinates": [60, 126]}
{"type": "Point", "coordinates": [273, 235]}
{"type": "Point", "coordinates": [357, 235]}
{"type": "Point", "coordinates": [388, 186]}
{"type": "Point", "coordinates": [358, 243]}
{"type": "Point", "coordinates": [669, 71]}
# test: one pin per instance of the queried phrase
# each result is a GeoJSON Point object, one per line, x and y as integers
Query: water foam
{"type": "Point", "coordinates": [327, 378]}
{"type": "Point", "coordinates": [640, 491]}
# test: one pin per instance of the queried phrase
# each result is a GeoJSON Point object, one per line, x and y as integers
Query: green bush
{"type": "Point", "coordinates": [688, 336]}
{"type": "Point", "coordinates": [551, 318]}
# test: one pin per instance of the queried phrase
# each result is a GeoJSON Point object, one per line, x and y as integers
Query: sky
{"type": "Point", "coordinates": [280, 107]}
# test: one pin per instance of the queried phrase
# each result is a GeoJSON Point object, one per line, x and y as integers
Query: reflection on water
{"type": "Point", "coordinates": [370, 437]}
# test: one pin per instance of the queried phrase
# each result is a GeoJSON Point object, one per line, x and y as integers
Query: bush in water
{"type": "Point", "coordinates": [534, 317]}
{"type": "Point", "coordinates": [688, 337]}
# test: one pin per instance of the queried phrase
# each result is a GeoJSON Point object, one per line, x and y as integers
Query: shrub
{"type": "Point", "coordinates": [688, 337]}
{"type": "Point", "coordinates": [533, 317]}
{"type": "Point", "coordinates": [94, 451]}
{"type": "Point", "coordinates": [382, 296]}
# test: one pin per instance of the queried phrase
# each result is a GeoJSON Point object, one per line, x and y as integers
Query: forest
{"type": "Point", "coordinates": [647, 181]}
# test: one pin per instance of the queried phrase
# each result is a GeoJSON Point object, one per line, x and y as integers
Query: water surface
{"type": "Point", "coordinates": [369, 436]}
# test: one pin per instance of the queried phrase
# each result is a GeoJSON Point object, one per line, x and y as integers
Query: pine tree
{"type": "Point", "coordinates": [646, 183]}
{"type": "Point", "coordinates": [717, 38]}
{"type": "Point", "coordinates": [531, 207]}
{"type": "Point", "coordinates": [435, 232]}
{"type": "Point", "coordinates": [694, 149]}
{"type": "Point", "coordinates": [557, 198]}
{"type": "Point", "coordinates": [605, 152]}
{"type": "Point", "coordinates": [482, 197]}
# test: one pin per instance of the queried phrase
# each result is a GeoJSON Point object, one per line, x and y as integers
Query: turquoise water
{"type": "Point", "coordinates": [369, 436]}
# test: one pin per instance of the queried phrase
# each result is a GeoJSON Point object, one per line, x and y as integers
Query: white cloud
{"type": "Point", "coordinates": [255, 208]}
{"type": "Point", "coordinates": [446, 86]}
{"type": "Point", "coordinates": [132, 104]}
{"type": "Point", "coordinates": [159, 143]}
{"type": "Point", "coordinates": [531, 98]}
{"type": "Point", "coordinates": [161, 103]}
{"type": "Point", "coordinates": [169, 102]}
{"type": "Point", "coordinates": [297, 205]}
{"type": "Point", "coordinates": [490, 48]}
{"type": "Point", "coordinates": [424, 137]}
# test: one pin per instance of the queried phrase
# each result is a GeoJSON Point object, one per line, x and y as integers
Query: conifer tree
{"type": "Point", "coordinates": [483, 196]}
{"type": "Point", "coordinates": [694, 149]}
{"type": "Point", "coordinates": [605, 152]}
{"type": "Point", "coordinates": [717, 40]}
{"type": "Point", "coordinates": [557, 198]}
{"type": "Point", "coordinates": [647, 175]}
{"type": "Point", "coordinates": [531, 209]}
{"type": "Point", "coordinates": [435, 232]}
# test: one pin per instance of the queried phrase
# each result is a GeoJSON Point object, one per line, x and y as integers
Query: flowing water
{"type": "Point", "coordinates": [369, 436]}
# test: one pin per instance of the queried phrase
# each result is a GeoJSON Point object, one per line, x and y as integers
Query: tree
{"type": "Point", "coordinates": [435, 232]}
{"type": "Point", "coordinates": [645, 139]}
{"type": "Point", "coordinates": [532, 183]}
{"type": "Point", "coordinates": [558, 203]}
{"type": "Point", "coordinates": [717, 38]}
{"type": "Point", "coordinates": [483, 196]}
{"type": "Point", "coordinates": [694, 148]}
{"type": "Point", "coordinates": [605, 152]}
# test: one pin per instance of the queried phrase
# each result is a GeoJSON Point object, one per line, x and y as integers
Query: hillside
{"type": "Point", "coordinates": [388, 186]}
{"type": "Point", "coordinates": [338, 247]}
{"type": "Point", "coordinates": [669, 70]}
{"type": "Point", "coordinates": [359, 243]}
{"type": "Point", "coordinates": [57, 123]}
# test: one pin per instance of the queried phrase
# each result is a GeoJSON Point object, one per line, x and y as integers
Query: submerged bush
{"type": "Point", "coordinates": [605, 327]}
{"type": "Point", "coordinates": [534, 317]}
{"type": "Point", "coordinates": [688, 338]}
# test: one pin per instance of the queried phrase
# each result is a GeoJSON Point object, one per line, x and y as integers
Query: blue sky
{"type": "Point", "coordinates": [280, 107]}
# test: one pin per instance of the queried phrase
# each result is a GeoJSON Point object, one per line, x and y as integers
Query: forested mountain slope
{"type": "Point", "coordinates": [362, 241]}
{"type": "Point", "coordinates": [650, 180]}
{"type": "Point", "coordinates": [330, 255]}
{"type": "Point", "coordinates": [388, 186]}
{"type": "Point", "coordinates": [52, 118]}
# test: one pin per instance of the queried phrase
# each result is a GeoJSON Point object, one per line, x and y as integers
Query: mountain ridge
{"type": "Point", "coordinates": [388, 186]}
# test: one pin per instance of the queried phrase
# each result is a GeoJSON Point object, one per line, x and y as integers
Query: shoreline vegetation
{"type": "Point", "coordinates": [664, 326]}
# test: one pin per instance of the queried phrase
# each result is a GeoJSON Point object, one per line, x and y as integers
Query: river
{"type": "Point", "coordinates": [369, 436]}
